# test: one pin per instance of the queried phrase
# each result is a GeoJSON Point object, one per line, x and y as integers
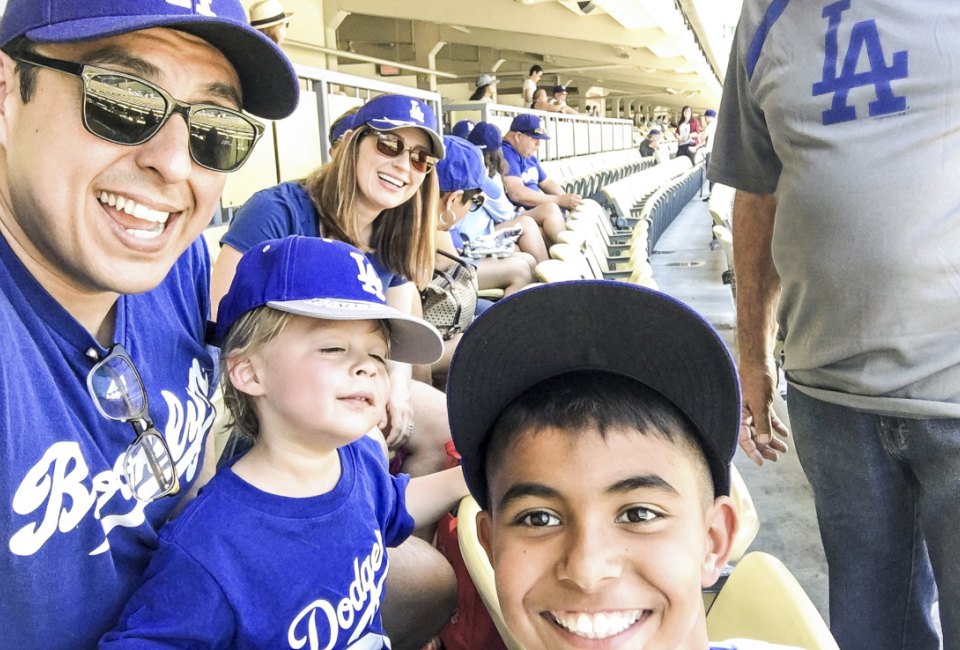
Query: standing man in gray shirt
{"type": "Point", "coordinates": [839, 133]}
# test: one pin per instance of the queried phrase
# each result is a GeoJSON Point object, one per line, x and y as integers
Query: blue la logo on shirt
{"type": "Point", "coordinates": [864, 36]}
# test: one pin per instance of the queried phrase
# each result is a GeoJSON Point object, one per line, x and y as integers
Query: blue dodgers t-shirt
{"type": "Point", "coordinates": [242, 568]}
{"type": "Point", "coordinates": [281, 211]}
{"type": "Point", "coordinates": [75, 542]}
{"type": "Point", "coordinates": [528, 169]}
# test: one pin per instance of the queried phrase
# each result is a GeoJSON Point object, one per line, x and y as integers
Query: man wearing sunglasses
{"type": "Point", "coordinates": [118, 122]}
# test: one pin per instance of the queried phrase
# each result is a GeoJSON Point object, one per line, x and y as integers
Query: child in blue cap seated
{"type": "Point", "coordinates": [287, 545]}
{"type": "Point", "coordinates": [597, 438]}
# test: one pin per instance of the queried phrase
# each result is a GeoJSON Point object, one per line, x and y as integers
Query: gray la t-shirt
{"type": "Point", "coordinates": [851, 116]}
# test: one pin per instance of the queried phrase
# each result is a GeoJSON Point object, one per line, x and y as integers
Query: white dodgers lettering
{"type": "Point", "coordinates": [59, 492]}
{"type": "Point", "coordinates": [355, 610]}
{"type": "Point", "coordinates": [370, 281]}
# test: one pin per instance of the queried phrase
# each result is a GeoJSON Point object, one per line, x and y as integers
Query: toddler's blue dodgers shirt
{"type": "Point", "coordinates": [241, 568]}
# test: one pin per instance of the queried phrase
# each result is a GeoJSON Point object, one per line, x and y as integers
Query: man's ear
{"type": "Point", "coordinates": [720, 522]}
{"type": "Point", "coordinates": [9, 95]}
{"type": "Point", "coordinates": [485, 532]}
{"type": "Point", "coordinates": [243, 370]}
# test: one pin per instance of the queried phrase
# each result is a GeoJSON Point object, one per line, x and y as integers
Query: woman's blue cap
{"type": "Point", "coordinates": [486, 136]}
{"type": "Point", "coordinates": [267, 79]}
{"type": "Point", "coordinates": [322, 278]}
{"type": "Point", "coordinates": [463, 168]}
{"type": "Point", "coordinates": [392, 112]}
{"type": "Point", "coordinates": [462, 129]}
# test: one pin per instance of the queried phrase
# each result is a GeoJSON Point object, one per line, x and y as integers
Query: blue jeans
{"type": "Point", "coordinates": [887, 493]}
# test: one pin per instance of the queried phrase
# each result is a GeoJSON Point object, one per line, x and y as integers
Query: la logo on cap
{"type": "Point", "coordinates": [202, 6]}
{"type": "Point", "coordinates": [369, 280]}
{"type": "Point", "coordinates": [415, 111]}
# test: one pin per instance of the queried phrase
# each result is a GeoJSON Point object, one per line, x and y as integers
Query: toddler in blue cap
{"type": "Point", "coordinates": [287, 544]}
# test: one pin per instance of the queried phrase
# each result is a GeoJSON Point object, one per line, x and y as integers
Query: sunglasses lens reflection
{"type": "Point", "coordinates": [392, 145]}
{"type": "Point", "coordinates": [129, 111]}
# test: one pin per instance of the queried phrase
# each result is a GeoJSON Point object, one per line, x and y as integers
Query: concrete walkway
{"type": "Point", "coordinates": [685, 267]}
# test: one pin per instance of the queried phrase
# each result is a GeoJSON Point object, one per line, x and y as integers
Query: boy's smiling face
{"type": "Point", "coordinates": [604, 542]}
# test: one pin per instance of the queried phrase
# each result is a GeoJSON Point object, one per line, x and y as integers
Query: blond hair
{"type": "Point", "coordinates": [251, 332]}
{"type": "Point", "coordinates": [402, 237]}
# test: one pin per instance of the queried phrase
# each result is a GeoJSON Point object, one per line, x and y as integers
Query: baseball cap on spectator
{"type": "Point", "coordinates": [462, 128]}
{"type": "Point", "coordinates": [317, 277]}
{"type": "Point", "coordinates": [485, 80]}
{"type": "Point", "coordinates": [486, 136]}
{"type": "Point", "coordinates": [529, 125]}
{"type": "Point", "coordinates": [340, 126]}
{"type": "Point", "coordinates": [392, 112]}
{"type": "Point", "coordinates": [710, 113]}
{"type": "Point", "coordinates": [559, 89]}
{"type": "Point", "coordinates": [654, 132]}
{"type": "Point", "coordinates": [463, 168]}
{"type": "Point", "coordinates": [655, 340]}
{"type": "Point", "coordinates": [267, 80]}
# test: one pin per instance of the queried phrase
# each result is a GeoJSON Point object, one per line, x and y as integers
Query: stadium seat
{"type": "Point", "coordinates": [479, 568]}
{"type": "Point", "coordinates": [762, 600]}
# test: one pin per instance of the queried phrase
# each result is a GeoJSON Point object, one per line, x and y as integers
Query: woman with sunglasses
{"type": "Point", "coordinates": [378, 194]}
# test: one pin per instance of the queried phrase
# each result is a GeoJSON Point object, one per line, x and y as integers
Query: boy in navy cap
{"type": "Point", "coordinates": [287, 545]}
{"type": "Point", "coordinates": [601, 463]}
{"type": "Point", "coordinates": [525, 181]}
{"type": "Point", "coordinates": [120, 120]}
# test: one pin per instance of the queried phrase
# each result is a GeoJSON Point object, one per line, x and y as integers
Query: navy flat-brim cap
{"type": "Point", "coordinates": [267, 79]}
{"type": "Point", "coordinates": [598, 325]}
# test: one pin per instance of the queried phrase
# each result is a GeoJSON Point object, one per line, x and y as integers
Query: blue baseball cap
{"type": "Point", "coordinates": [462, 129]}
{"type": "Point", "coordinates": [340, 126]}
{"type": "Point", "coordinates": [267, 79]}
{"type": "Point", "coordinates": [529, 125]}
{"type": "Point", "coordinates": [654, 131]}
{"type": "Point", "coordinates": [322, 278]}
{"type": "Point", "coordinates": [710, 113]}
{"type": "Point", "coordinates": [655, 340]}
{"type": "Point", "coordinates": [486, 136]}
{"type": "Point", "coordinates": [392, 112]}
{"type": "Point", "coordinates": [463, 168]}
{"type": "Point", "coordinates": [559, 89]}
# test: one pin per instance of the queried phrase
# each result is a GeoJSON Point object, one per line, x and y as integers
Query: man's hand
{"type": "Point", "coordinates": [761, 431]}
{"type": "Point", "coordinates": [569, 201]}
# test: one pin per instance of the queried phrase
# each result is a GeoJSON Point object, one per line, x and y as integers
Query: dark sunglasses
{"type": "Point", "coordinates": [125, 109]}
{"type": "Point", "coordinates": [392, 145]}
{"type": "Point", "coordinates": [117, 391]}
{"type": "Point", "coordinates": [477, 201]}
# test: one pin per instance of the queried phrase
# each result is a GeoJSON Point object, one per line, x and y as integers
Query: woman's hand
{"type": "Point", "coordinates": [398, 423]}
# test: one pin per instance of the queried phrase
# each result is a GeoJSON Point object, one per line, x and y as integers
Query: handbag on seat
{"type": "Point", "coordinates": [450, 300]}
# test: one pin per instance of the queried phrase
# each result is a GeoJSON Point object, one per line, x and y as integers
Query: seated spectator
{"type": "Point", "coordinates": [269, 17]}
{"type": "Point", "coordinates": [530, 84]}
{"type": "Point", "coordinates": [560, 99]}
{"type": "Point", "coordinates": [486, 90]}
{"type": "Point", "coordinates": [602, 469]}
{"type": "Point", "coordinates": [305, 339]}
{"type": "Point", "coordinates": [541, 225]}
{"type": "Point", "coordinates": [462, 179]}
{"type": "Point", "coordinates": [462, 128]}
{"type": "Point", "coordinates": [542, 103]}
{"type": "Point", "coordinates": [525, 181]}
{"type": "Point", "coordinates": [651, 143]}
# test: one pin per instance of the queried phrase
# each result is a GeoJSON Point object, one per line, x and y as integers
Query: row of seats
{"type": "Point", "coordinates": [721, 211]}
{"type": "Point", "coordinates": [587, 175]}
